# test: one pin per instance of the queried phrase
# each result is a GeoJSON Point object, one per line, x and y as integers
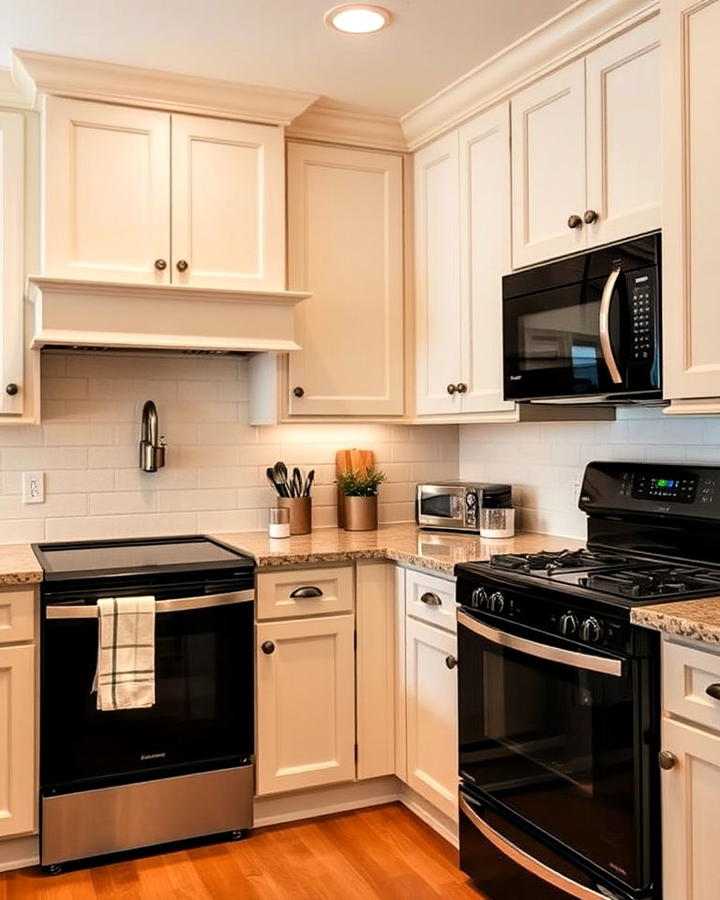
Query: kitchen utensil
{"type": "Point", "coordinates": [271, 477]}
{"type": "Point", "coordinates": [297, 483]}
{"type": "Point", "coordinates": [281, 476]}
{"type": "Point", "coordinates": [308, 483]}
{"type": "Point", "coordinates": [346, 460]}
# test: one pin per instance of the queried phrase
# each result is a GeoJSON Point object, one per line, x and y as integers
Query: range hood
{"type": "Point", "coordinates": [78, 313]}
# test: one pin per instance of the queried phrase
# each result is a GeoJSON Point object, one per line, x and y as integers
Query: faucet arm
{"type": "Point", "coordinates": [149, 430]}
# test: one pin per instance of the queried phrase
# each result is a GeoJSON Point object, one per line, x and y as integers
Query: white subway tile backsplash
{"type": "Point", "coordinates": [214, 479]}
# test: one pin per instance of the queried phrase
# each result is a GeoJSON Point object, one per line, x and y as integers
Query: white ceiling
{"type": "Point", "coordinates": [281, 43]}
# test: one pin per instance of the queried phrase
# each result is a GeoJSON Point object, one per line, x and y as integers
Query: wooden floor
{"type": "Point", "coordinates": [384, 852]}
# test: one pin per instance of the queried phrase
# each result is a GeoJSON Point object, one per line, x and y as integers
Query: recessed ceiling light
{"type": "Point", "coordinates": [357, 18]}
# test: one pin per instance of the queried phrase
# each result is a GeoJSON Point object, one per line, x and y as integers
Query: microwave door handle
{"type": "Point", "coordinates": [604, 325]}
{"type": "Point", "coordinates": [603, 664]}
{"type": "Point", "coordinates": [182, 604]}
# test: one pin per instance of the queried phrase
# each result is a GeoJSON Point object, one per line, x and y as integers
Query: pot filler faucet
{"type": "Point", "coordinates": [152, 452]}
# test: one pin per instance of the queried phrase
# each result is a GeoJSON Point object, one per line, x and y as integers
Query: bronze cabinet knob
{"type": "Point", "coordinates": [666, 759]}
{"type": "Point", "coordinates": [461, 387]}
{"type": "Point", "coordinates": [451, 388]}
{"type": "Point", "coordinates": [160, 264]}
{"type": "Point", "coordinates": [574, 222]}
{"type": "Point", "coordinates": [181, 265]}
{"type": "Point", "coordinates": [11, 389]}
{"type": "Point", "coordinates": [590, 216]}
{"type": "Point", "coordinates": [267, 647]}
{"type": "Point", "coordinates": [450, 662]}
{"type": "Point", "coordinates": [298, 391]}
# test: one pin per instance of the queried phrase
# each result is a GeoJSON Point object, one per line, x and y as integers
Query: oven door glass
{"type": "Point", "coordinates": [555, 743]}
{"type": "Point", "coordinates": [204, 700]}
{"type": "Point", "coordinates": [553, 344]}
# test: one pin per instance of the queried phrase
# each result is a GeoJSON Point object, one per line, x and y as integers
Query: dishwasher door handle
{"type": "Point", "coordinates": [182, 604]}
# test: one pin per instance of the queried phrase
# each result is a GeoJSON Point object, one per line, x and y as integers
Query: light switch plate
{"type": "Point", "coordinates": [33, 487]}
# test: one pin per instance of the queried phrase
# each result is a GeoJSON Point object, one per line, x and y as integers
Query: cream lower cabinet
{"type": "Point", "coordinates": [586, 154]}
{"type": "Point", "coordinates": [137, 195]}
{"type": "Point", "coordinates": [345, 245]}
{"type": "Point", "coordinates": [305, 703]}
{"type": "Point", "coordinates": [18, 793]}
{"type": "Point", "coordinates": [691, 187]}
{"type": "Point", "coordinates": [431, 703]}
{"type": "Point", "coordinates": [462, 250]}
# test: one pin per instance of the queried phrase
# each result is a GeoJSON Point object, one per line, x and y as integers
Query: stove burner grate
{"type": "Point", "coordinates": [554, 560]}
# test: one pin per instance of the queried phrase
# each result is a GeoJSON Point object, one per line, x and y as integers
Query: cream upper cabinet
{"type": "Point", "coordinates": [12, 399]}
{"type": "Point", "coordinates": [431, 702]}
{"type": "Point", "coordinates": [624, 159]}
{"type": "Point", "coordinates": [18, 791]}
{"type": "Point", "coordinates": [305, 703]}
{"type": "Point", "coordinates": [437, 276]}
{"type": "Point", "coordinates": [228, 204]}
{"type": "Point", "coordinates": [106, 192]}
{"type": "Point", "coordinates": [548, 166]}
{"type": "Point", "coordinates": [691, 182]}
{"type": "Point", "coordinates": [345, 245]}
{"type": "Point", "coordinates": [133, 195]}
{"type": "Point", "coordinates": [587, 151]}
{"type": "Point", "coordinates": [462, 249]}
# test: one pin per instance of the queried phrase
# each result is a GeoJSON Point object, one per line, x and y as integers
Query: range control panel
{"type": "Point", "coordinates": [642, 312]}
{"type": "Point", "coordinates": [665, 485]}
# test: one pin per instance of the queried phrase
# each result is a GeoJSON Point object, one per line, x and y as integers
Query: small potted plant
{"type": "Point", "coordinates": [360, 493]}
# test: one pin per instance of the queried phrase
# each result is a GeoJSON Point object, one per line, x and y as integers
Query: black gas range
{"type": "Point", "coordinates": [559, 692]}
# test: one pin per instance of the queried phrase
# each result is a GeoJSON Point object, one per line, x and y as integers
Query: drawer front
{"type": "Point", "coordinates": [688, 673]}
{"type": "Point", "coordinates": [431, 599]}
{"type": "Point", "coordinates": [17, 615]}
{"type": "Point", "coordinates": [294, 593]}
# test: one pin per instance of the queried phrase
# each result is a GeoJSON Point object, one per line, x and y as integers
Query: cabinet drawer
{"type": "Point", "coordinates": [687, 674]}
{"type": "Point", "coordinates": [431, 599]}
{"type": "Point", "coordinates": [17, 615]}
{"type": "Point", "coordinates": [304, 592]}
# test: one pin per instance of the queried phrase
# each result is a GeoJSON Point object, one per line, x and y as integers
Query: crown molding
{"type": "Point", "coordinates": [40, 73]}
{"type": "Point", "coordinates": [570, 34]}
{"type": "Point", "coordinates": [10, 97]}
{"type": "Point", "coordinates": [341, 126]}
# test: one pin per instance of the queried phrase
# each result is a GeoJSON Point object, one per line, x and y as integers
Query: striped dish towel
{"type": "Point", "coordinates": [125, 676]}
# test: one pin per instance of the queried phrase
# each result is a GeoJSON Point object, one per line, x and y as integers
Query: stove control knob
{"type": "Point", "coordinates": [497, 602]}
{"type": "Point", "coordinates": [568, 624]}
{"type": "Point", "coordinates": [591, 630]}
{"type": "Point", "coordinates": [479, 598]}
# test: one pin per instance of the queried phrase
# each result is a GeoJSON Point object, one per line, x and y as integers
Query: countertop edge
{"type": "Point", "coordinates": [673, 623]}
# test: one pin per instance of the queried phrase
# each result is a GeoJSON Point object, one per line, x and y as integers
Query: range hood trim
{"type": "Point", "coordinates": [98, 314]}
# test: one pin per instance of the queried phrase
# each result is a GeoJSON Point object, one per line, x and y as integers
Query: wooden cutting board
{"type": "Point", "coordinates": [350, 460]}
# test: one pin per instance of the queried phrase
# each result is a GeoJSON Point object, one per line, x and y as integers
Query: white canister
{"type": "Point", "coordinates": [497, 522]}
{"type": "Point", "coordinates": [279, 525]}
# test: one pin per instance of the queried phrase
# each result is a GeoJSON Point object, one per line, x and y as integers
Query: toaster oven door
{"type": "Point", "coordinates": [445, 506]}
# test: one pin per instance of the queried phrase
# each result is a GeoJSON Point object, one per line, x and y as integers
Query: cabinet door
{"type": "Point", "coordinates": [11, 260]}
{"type": "Point", "coordinates": [691, 813]}
{"type": "Point", "coordinates": [548, 166]}
{"type": "Point", "coordinates": [305, 703]}
{"type": "Point", "coordinates": [432, 728]}
{"type": "Point", "coordinates": [345, 244]}
{"type": "Point", "coordinates": [485, 256]}
{"type": "Point", "coordinates": [228, 204]}
{"type": "Point", "coordinates": [18, 795]}
{"type": "Point", "coordinates": [623, 135]}
{"type": "Point", "coordinates": [691, 187]}
{"type": "Point", "coordinates": [438, 310]}
{"type": "Point", "coordinates": [106, 192]}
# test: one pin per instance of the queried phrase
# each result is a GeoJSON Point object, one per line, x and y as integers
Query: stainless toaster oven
{"type": "Point", "coordinates": [455, 505]}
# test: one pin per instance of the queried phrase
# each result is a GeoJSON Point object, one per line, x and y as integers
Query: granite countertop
{"type": "Point", "coordinates": [18, 565]}
{"type": "Point", "coordinates": [695, 619]}
{"type": "Point", "coordinates": [403, 543]}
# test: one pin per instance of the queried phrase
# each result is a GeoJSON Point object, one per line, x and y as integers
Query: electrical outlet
{"type": "Point", "coordinates": [33, 487]}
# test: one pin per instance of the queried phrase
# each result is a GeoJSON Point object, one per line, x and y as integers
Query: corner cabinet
{"type": "Point", "coordinates": [13, 387]}
{"type": "Point", "coordinates": [586, 158]}
{"type": "Point", "coordinates": [462, 250]}
{"type": "Point", "coordinates": [345, 245]}
{"type": "Point", "coordinates": [136, 195]}
{"type": "Point", "coordinates": [691, 132]}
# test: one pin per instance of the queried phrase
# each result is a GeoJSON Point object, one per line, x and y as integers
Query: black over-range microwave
{"type": "Point", "coordinates": [585, 328]}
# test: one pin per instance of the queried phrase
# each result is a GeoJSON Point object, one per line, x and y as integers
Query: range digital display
{"type": "Point", "coordinates": [665, 486]}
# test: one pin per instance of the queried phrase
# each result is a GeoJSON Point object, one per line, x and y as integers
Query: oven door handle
{"type": "Point", "coordinates": [529, 863]}
{"type": "Point", "coordinates": [182, 604]}
{"type": "Point", "coordinates": [603, 664]}
{"type": "Point", "coordinates": [604, 326]}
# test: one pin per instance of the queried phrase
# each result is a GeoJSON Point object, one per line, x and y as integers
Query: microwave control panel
{"type": "Point", "coordinates": [642, 312]}
{"type": "Point", "coordinates": [471, 509]}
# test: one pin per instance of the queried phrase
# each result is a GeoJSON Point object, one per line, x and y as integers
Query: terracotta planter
{"type": "Point", "coordinates": [300, 513]}
{"type": "Point", "coordinates": [361, 513]}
